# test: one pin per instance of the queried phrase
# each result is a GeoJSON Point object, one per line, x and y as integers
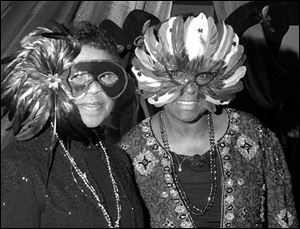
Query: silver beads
{"type": "Point", "coordinates": [84, 178]}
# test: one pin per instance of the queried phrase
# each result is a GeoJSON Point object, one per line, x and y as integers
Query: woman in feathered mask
{"type": "Point", "coordinates": [58, 92]}
{"type": "Point", "coordinates": [196, 165]}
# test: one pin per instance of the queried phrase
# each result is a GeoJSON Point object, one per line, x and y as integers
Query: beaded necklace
{"type": "Point", "coordinates": [213, 171]}
{"type": "Point", "coordinates": [84, 178]}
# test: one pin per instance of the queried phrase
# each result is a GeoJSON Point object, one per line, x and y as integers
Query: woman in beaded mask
{"type": "Point", "coordinates": [58, 92]}
{"type": "Point", "coordinates": [198, 164]}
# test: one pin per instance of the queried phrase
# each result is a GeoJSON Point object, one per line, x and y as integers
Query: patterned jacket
{"type": "Point", "coordinates": [256, 184]}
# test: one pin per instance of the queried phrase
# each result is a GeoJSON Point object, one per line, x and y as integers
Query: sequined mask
{"type": "Point", "coordinates": [111, 76]}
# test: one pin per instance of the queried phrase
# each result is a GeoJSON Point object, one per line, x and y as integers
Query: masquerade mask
{"type": "Point", "coordinates": [111, 76]}
{"type": "Point", "coordinates": [177, 52]}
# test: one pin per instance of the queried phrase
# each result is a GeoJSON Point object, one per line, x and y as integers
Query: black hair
{"type": "Point", "coordinates": [89, 34]}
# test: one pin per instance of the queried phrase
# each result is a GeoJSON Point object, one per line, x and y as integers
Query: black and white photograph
{"type": "Point", "coordinates": [150, 114]}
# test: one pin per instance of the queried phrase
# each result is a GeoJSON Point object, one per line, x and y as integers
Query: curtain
{"type": "Point", "coordinates": [118, 10]}
{"type": "Point", "coordinates": [18, 18]}
{"type": "Point", "coordinates": [256, 79]}
{"type": "Point", "coordinates": [271, 86]}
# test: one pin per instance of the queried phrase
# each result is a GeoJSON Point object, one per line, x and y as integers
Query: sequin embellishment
{"type": "Point", "coordinates": [284, 218]}
{"type": "Point", "coordinates": [145, 162]}
{"type": "Point", "coordinates": [168, 224]}
{"type": "Point", "coordinates": [247, 147]}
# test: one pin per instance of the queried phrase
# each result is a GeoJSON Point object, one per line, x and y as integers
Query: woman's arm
{"type": "Point", "coordinates": [19, 205]}
{"type": "Point", "coordinates": [281, 210]}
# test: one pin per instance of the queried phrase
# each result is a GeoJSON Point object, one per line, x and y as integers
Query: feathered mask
{"type": "Point", "coordinates": [31, 88]}
{"type": "Point", "coordinates": [176, 52]}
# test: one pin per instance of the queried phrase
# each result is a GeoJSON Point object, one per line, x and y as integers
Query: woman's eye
{"type": "Point", "coordinates": [204, 77]}
{"type": "Point", "coordinates": [108, 78]}
{"type": "Point", "coordinates": [79, 78]}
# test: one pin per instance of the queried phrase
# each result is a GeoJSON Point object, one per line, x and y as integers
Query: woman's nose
{"type": "Point", "coordinates": [190, 88]}
{"type": "Point", "coordinates": [94, 88]}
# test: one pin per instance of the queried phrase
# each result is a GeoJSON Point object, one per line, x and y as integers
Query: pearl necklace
{"type": "Point", "coordinates": [84, 178]}
{"type": "Point", "coordinates": [180, 164]}
{"type": "Point", "coordinates": [213, 171]}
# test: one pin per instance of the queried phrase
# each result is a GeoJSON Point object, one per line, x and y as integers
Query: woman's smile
{"type": "Point", "coordinates": [93, 106]}
{"type": "Point", "coordinates": [187, 104]}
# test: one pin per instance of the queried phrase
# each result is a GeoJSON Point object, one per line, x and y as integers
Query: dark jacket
{"type": "Point", "coordinates": [66, 202]}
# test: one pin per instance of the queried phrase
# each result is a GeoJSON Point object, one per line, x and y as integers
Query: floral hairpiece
{"type": "Point", "coordinates": [53, 81]}
{"type": "Point", "coordinates": [175, 51]}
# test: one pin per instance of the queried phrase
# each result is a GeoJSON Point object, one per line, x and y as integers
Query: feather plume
{"type": "Point", "coordinates": [34, 126]}
{"type": "Point", "coordinates": [212, 39]}
{"type": "Point", "coordinates": [177, 36]}
{"type": "Point", "coordinates": [166, 98]}
{"type": "Point", "coordinates": [225, 41]}
{"type": "Point", "coordinates": [196, 36]}
{"type": "Point", "coordinates": [29, 81]}
{"type": "Point", "coordinates": [145, 59]}
{"type": "Point", "coordinates": [233, 50]}
{"type": "Point", "coordinates": [195, 49]}
{"type": "Point", "coordinates": [152, 45]}
{"type": "Point", "coordinates": [238, 74]}
{"type": "Point", "coordinates": [235, 59]}
{"type": "Point", "coordinates": [165, 33]}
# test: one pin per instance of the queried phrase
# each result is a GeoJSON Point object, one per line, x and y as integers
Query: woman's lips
{"type": "Point", "coordinates": [187, 102]}
{"type": "Point", "coordinates": [91, 106]}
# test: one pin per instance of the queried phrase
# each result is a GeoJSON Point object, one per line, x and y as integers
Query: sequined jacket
{"type": "Point", "coordinates": [256, 184]}
{"type": "Point", "coordinates": [66, 202]}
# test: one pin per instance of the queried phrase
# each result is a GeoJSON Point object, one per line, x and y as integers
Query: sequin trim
{"type": "Point", "coordinates": [284, 218]}
{"type": "Point", "coordinates": [228, 185]}
{"type": "Point", "coordinates": [168, 224]}
{"type": "Point", "coordinates": [247, 147]}
{"type": "Point", "coordinates": [145, 162]}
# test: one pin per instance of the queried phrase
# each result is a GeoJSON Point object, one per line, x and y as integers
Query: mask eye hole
{"type": "Point", "coordinates": [177, 77]}
{"type": "Point", "coordinates": [204, 77]}
{"type": "Point", "coordinates": [108, 78]}
{"type": "Point", "coordinates": [80, 78]}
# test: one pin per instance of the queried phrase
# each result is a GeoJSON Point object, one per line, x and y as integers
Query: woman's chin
{"type": "Point", "coordinates": [92, 122]}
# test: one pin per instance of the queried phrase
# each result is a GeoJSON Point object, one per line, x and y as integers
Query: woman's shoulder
{"type": "Point", "coordinates": [244, 120]}
{"type": "Point", "coordinates": [243, 116]}
{"type": "Point", "coordinates": [114, 150]}
{"type": "Point", "coordinates": [135, 139]}
{"type": "Point", "coordinates": [249, 125]}
{"type": "Point", "coordinates": [137, 131]}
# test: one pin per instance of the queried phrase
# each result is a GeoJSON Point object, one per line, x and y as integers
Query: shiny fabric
{"type": "Point", "coordinates": [256, 184]}
{"type": "Point", "coordinates": [67, 202]}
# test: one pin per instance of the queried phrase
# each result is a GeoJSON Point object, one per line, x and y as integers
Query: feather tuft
{"type": "Point", "coordinates": [26, 88]}
{"type": "Point", "coordinates": [177, 51]}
